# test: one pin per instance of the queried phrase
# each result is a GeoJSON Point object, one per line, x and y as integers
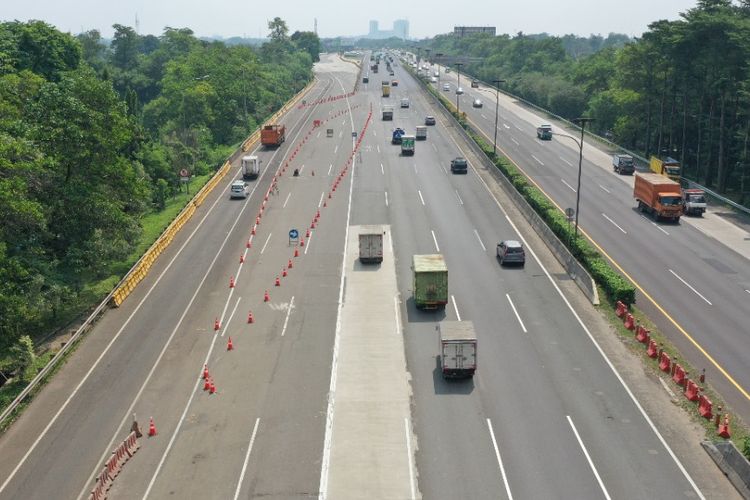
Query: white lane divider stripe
{"type": "Point", "coordinates": [515, 311]}
{"type": "Point", "coordinates": [247, 458]}
{"type": "Point", "coordinates": [691, 287]}
{"type": "Point", "coordinates": [455, 308]}
{"type": "Point", "coordinates": [566, 161]}
{"type": "Point", "coordinates": [286, 200]}
{"type": "Point", "coordinates": [288, 313]}
{"type": "Point", "coordinates": [569, 186]}
{"type": "Point", "coordinates": [480, 240]}
{"type": "Point", "coordinates": [320, 202]}
{"type": "Point", "coordinates": [386, 198]}
{"type": "Point", "coordinates": [499, 460]}
{"type": "Point", "coordinates": [266, 243]}
{"type": "Point", "coordinates": [614, 223]}
{"type": "Point", "coordinates": [435, 240]}
{"type": "Point", "coordinates": [538, 160]}
{"type": "Point", "coordinates": [229, 320]}
{"type": "Point", "coordinates": [460, 201]}
{"type": "Point", "coordinates": [588, 458]}
{"type": "Point", "coordinates": [420, 196]}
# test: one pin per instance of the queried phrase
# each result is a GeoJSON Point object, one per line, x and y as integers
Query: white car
{"type": "Point", "coordinates": [238, 190]}
{"type": "Point", "coordinates": [459, 90]}
{"type": "Point", "coordinates": [405, 102]}
{"type": "Point", "coordinates": [433, 79]}
{"type": "Point", "coordinates": [446, 87]}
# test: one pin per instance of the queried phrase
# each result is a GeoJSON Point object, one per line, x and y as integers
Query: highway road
{"type": "Point", "coordinates": [693, 278]}
{"type": "Point", "coordinates": [333, 391]}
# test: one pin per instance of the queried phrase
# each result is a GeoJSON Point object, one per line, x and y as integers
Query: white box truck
{"type": "Point", "coordinates": [421, 133]}
{"type": "Point", "coordinates": [250, 167]}
{"type": "Point", "coordinates": [458, 349]}
{"type": "Point", "coordinates": [371, 244]}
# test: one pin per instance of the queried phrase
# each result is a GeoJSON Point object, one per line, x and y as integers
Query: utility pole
{"type": "Point", "coordinates": [582, 121]}
{"type": "Point", "coordinates": [458, 86]}
{"type": "Point", "coordinates": [497, 103]}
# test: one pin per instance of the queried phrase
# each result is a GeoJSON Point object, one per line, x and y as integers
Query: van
{"type": "Point", "coordinates": [405, 102]}
{"type": "Point", "coordinates": [238, 189]}
{"type": "Point", "coordinates": [511, 251]}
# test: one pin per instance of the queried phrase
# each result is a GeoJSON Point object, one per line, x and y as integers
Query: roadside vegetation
{"type": "Point", "coordinates": [93, 135]}
{"type": "Point", "coordinates": [682, 89]}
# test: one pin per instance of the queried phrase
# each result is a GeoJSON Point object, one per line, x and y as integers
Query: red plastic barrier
{"type": "Point", "coordinates": [652, 351]}
{"type": "Point", "coordinates": [621, 309]}
{"type": "Point", "coordinates": [642, 334]}
{"type": "Point", "coordinates": [679, 375]}
{"type": "Point", "coordinates": [724, 428]}
{"type": "Point", "coordinates": [664, 362]}
{"type": "Point", "coordinates": [629, 321]}
{"type": "Point", "coordinates": [692, 390]}
{"type": "Point", "coordinates": [705, 407]}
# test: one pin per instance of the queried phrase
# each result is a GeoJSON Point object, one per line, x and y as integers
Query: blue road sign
{"type": "Point", "coordinates": [293, 234]}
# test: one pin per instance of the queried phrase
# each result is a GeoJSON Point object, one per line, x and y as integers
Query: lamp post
{"type": "Point", "coordinates": [458, 86]}
{"type": "Point", "coordinates": [582, 121]}
{"type": "Point", "coordinates": [497, 103]}
{"type": "Point", "coordinates": [437, 56]}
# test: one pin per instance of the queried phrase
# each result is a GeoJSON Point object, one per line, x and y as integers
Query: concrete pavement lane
{"type": "Point", "coordinates": [709, 338]}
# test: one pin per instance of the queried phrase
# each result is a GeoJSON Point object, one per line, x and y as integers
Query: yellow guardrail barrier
{"type": "Point", "coordinates": [142, 267]}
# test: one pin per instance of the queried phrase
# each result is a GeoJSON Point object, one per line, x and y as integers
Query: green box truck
{"type": "Point", "coordinates": [430, 281]}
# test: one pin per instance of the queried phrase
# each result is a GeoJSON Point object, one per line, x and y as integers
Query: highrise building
{"type": "Point", "coordinates": [373, 28]}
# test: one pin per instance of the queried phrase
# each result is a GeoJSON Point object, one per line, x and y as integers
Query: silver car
{"type": "Point", "coordinates": [238, 190]}
{"type": "Point", "coordinates": [511, 252]}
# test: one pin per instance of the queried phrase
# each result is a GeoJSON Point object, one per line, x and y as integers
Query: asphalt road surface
{"type": "Point", "coordinates": [693, 277]}
{"type": "Point", "coordinates": [546, 416]}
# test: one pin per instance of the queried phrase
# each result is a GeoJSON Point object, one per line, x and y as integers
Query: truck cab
{"type": "Point", "coordinates": [407, 145]}
{"type": "Point", "coordinates": [694, 202]}
{"type": "Point", "coordinates": [396, 136]}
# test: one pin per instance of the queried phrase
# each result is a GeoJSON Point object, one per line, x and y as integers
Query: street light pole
{"type": "Point", "coordinates": [497, 103]}
{"type": "Point", "coordinates": [582, 121]}
{"type": "Point", "coordinates": [458, 86]}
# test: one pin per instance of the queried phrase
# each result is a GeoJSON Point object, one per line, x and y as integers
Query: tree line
{"type": "Point", "coordinates": [92, 137]}
{"type": "Point", "coordinates": [680, 90]}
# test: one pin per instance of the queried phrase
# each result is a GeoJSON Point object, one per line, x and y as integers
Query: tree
{"type": "Point", "coordinates": [278, 30]}
{"type": "Point", "coordinates": [309, 42]}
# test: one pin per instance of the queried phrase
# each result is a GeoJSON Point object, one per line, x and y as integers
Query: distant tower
{"type": "Point", "coordinates": [373, 28]}
{"type": "Point", "coordinates": [401, 28]}
{"type": "Point", "coordinates": [316, 26]}
{"type": "Point", "coordinates": [137, 24]}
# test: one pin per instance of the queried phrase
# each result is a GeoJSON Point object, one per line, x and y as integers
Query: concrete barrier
{"type": "Point", "coordinates": [732, 463]}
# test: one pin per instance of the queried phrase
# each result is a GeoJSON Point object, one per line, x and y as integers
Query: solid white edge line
{"type": "Point", "coordinates": [499, 460]}
{"type": "Point", "coordinates": [588, 458]}
{"type": "Point", "coordinates": [434, 239]}
{"type": "Point", "coordinates": [420, 196]}
{"type": "Point", "coordinates": [320, 202]}
{"type": "Point", "coordinates": [408, 457]}
{"type": "Point", "coordinates": [288, 313]}
{"type": "Point", "coordinates": [266, 243]}
{"type": "Point", "coordinates": [480, 240]}
{"type": "Point", "coordinates": [247, 459]}
{"type": "Point", "coordinates": [518, 316]}
{"type": "Point", "coordinates": [398, 321]}
{"type": "Point", "coordinates": [690, 287]}
{"type": "Point", "coordinates": [286, 200]}
{"type": "Point", "coordinates": [307, 243]}
{"type": "Point", "coordinates": [455, 308]}
{"type": "Point", "coordinates": [326, 458]}
{"type": "Point", "coordinates": [604, 356]}
{"type": "Point", "coordinates": [460, 201]}
{"type": "Point", "coordinates": [386, 198]}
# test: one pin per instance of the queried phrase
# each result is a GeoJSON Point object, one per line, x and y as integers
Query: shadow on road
{"type": "Point", "coordinates": [450, 386]}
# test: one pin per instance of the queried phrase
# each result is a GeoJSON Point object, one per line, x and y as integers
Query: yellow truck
{"type": "Point", "coordinates": [667, 166]}
{"type": "Point", "coordinates": [386, 90]}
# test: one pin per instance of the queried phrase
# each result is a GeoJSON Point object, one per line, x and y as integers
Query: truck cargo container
{"type": "Point", "coordinates": [658, 195]}
{"type": "Point", "coordinates": [458, 349]}
{"type": "Point", "coordinates": [407, 145]}
{"type": "Point", "coordinates": [623, 164]}
{"type": "Point", "coordinates": [371, 244]}
{"type": "Point", "coordinates": [250, 167]}
{"type": "Point", "coordinates": [421, 134]}
{"type": "Point", "coordinates": [430, 281]}
{"type": "Point", "coordinates": [387, 112]}
{"type": "Point", "coordinates": [386, 90]}
{"type": "Point", "coordinates": [273, 135]}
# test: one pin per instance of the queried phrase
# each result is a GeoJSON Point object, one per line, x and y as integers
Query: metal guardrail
{"type": "Point", "coordinates": [142, 266]}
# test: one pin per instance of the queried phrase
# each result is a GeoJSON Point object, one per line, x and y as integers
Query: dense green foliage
{"type": "Point", "coordinates": [92, 137]}
{"type": "Point", "coordinates": [683, 89]}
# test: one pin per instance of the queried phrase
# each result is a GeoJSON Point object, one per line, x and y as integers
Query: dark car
{"type": "Point", "coordinates": [511, 252]}
{"type": "Point", "coordinates": [475, 84]}
{"type": "Point", "coordinates": [459, 165]}
{"type": "Point", "coordinates": [429, 120]}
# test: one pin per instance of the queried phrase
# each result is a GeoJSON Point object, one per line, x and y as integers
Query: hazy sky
{"type": "Point", "coordinates": [349, 17]}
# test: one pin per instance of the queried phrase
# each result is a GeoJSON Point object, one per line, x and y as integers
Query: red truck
{"type": "Point", "coordinates": [272, 135]}
{"type": "Point", "coordinates": [658, 195]}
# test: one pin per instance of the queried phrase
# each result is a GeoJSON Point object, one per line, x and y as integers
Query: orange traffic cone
{"type": "Point", "coordinates": [283, 273]}
{"type": "Point", "coordinates": [266, 298]}
{"type": "Point", "coordinates": [216, 324]}
{"type": "Point", "coordinates": [207, 384]}
{"type": "Point", "coordinates": [250, 318]}
{"type": "Point", "coordinates": [312, 226]}
{"type": "Point", "coordinates": [278, 281]}
{"type": "Point", "coordinates": [230, 346]}
{"type": "Point", "coordinates": [249, 244]}
{"type": "Point", "coordinates": [253, 231]}
{"type": "Point", "coordinates": [151, 428]}
{"type": "Point", "coordinates": [296, 252]}
{"type": "Point", "coordinates": [231, 282]}
{"type": "Point", "coordinates": [212, 387]}
{"type": "Point", "coordinates": [205, 372]}
{"type": "Point", "coordinates": [242, 258]}
{"type": "Point", "coordinates": [317, 214]}
{"type": "Point", "coordinates": [301, 242]}
{"type": "Point", "coordinates": [307, 233]}
{"type": "Point", "coordinates": [313, 173]}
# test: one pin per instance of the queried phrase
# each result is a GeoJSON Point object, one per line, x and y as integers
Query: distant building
{"type": "Point", "coordinates": [400, 30]}
{"type": "Point", "coordinates": [462, 31]}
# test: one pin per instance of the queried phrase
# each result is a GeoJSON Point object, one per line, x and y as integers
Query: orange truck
{"type": "Point", "coordinates": [272, 135]}
{"type": "Point", "coordinates": [658, 195]}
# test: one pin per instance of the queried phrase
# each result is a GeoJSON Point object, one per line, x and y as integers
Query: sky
{"type": "Point", "coordinates": [228, 18]}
